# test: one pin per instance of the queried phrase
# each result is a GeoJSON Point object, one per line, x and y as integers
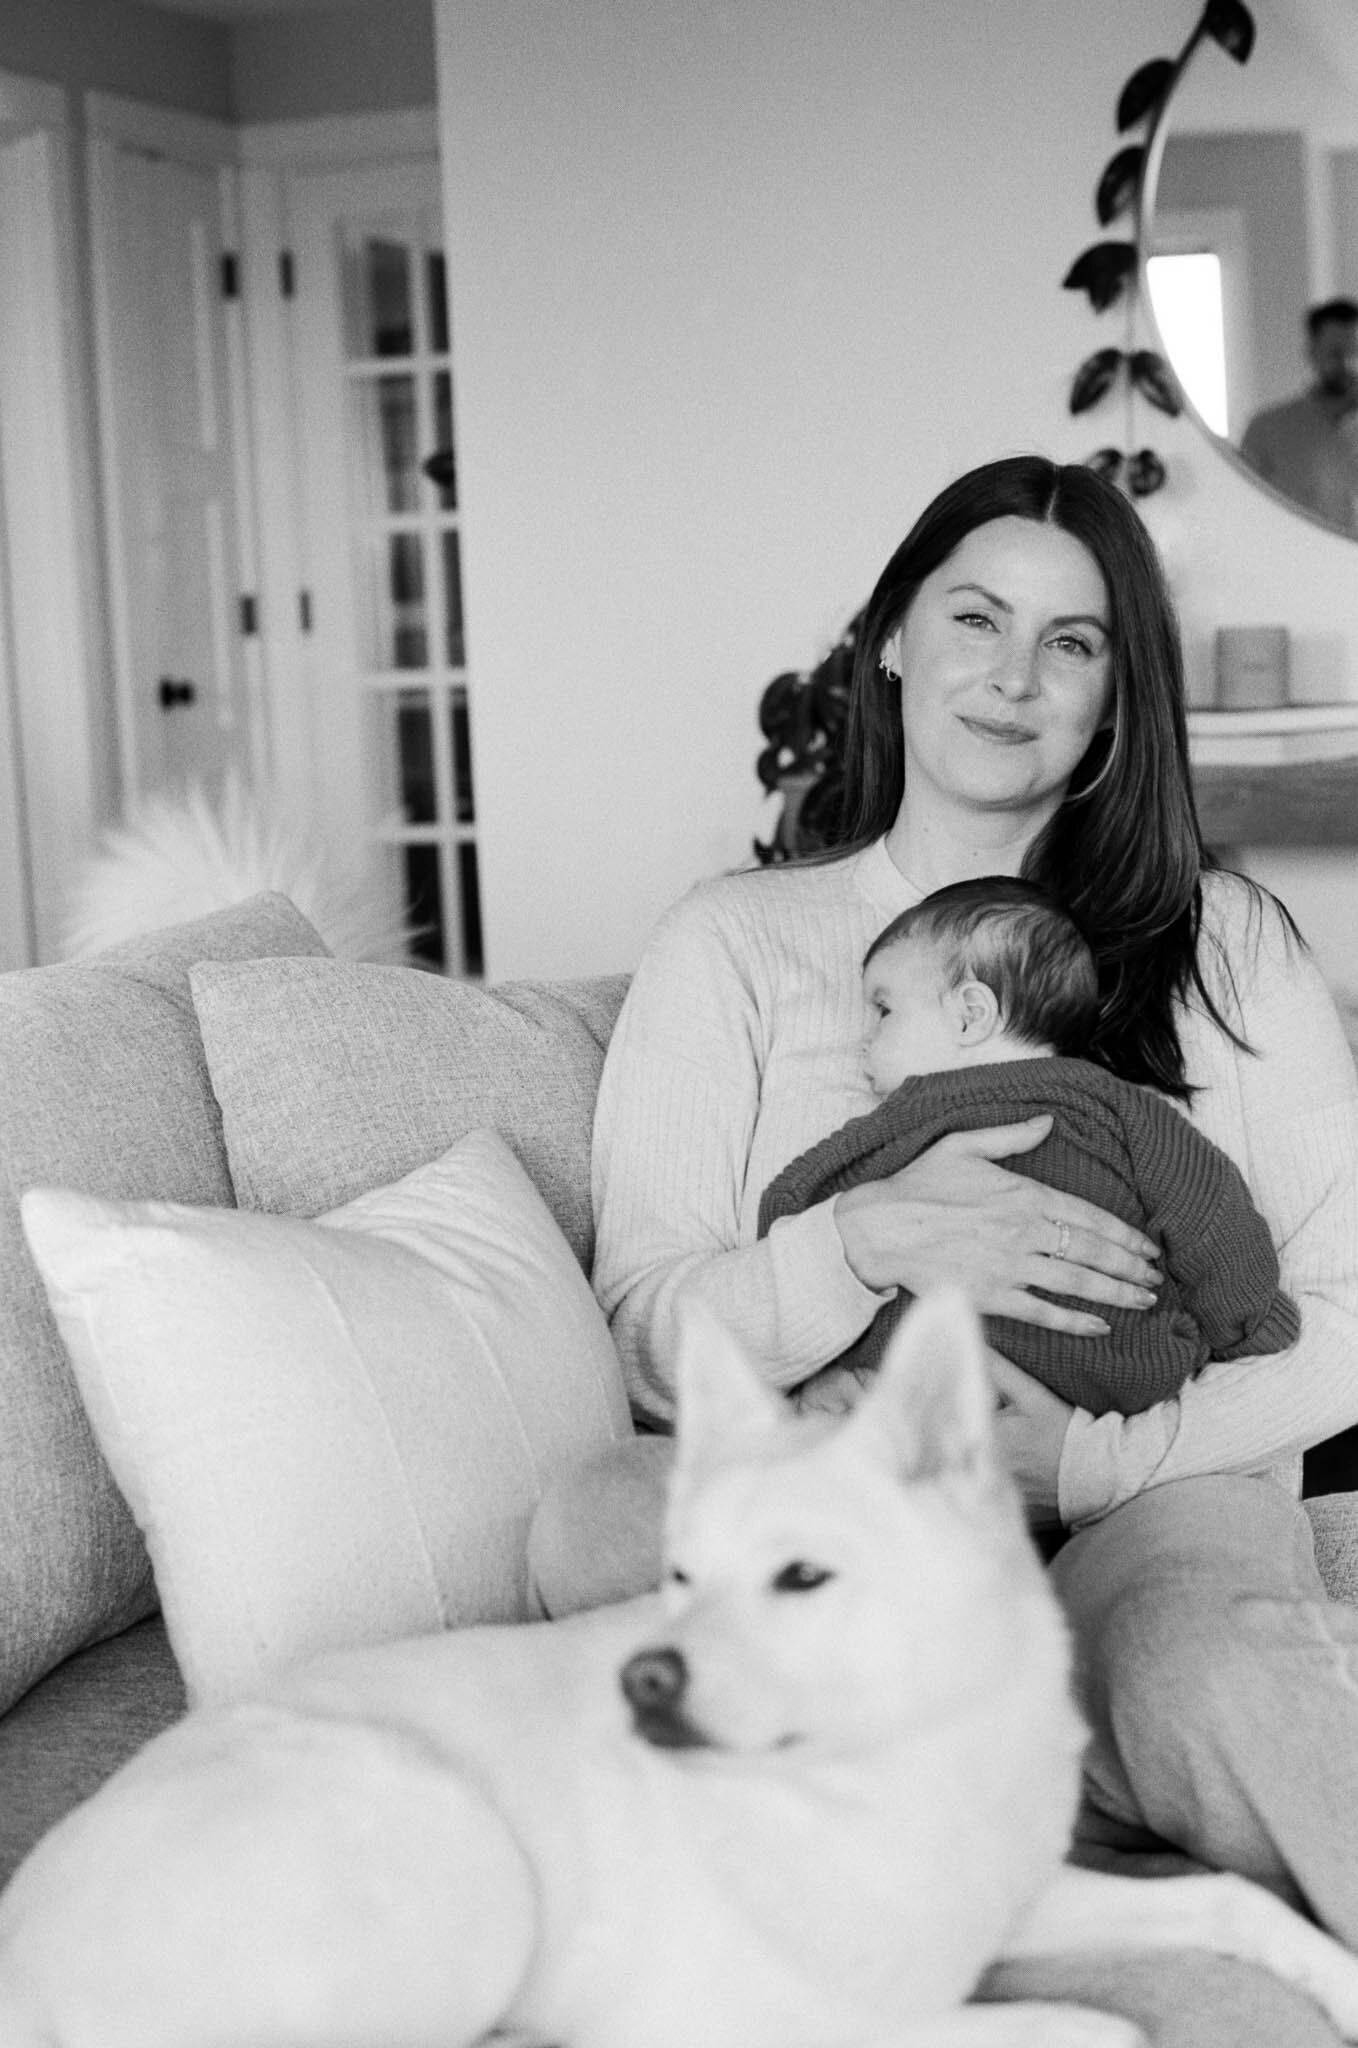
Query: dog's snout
{"type": "Point", "coordinates": [654, 1680]}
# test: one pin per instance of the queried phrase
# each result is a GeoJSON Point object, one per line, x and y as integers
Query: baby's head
{"type": "Point", "coordinates": [986, 970]}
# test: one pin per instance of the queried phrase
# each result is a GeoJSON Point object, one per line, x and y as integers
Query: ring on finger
{"type": "Point", "coordinates": [1062, 1241]}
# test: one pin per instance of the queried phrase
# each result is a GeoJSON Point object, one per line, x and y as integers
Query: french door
{"type": "Point", "coordinates": [385, 643]}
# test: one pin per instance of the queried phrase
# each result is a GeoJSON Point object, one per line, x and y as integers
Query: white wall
{"type": "Point", "coordinates": [737, 285]}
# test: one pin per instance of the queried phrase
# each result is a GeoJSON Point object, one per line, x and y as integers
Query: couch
{"type": "Point", "coordinates": [256, 1434]}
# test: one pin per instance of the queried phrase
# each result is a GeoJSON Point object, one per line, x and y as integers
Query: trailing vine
{"type": "Point", "coordinates": [1109, 272]}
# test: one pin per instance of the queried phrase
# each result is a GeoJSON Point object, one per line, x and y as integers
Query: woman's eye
{"type": "Point", "coordinates": [976, 619]}
{"type": "Point", "coordinates": [1077, 644]}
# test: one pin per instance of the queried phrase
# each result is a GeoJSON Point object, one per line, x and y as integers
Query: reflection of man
{"type": "Point", "coordinates": [1308, 447]}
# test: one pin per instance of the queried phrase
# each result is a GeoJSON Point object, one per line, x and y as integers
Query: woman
{"type": "Point", "coordinates": [1018, 708]}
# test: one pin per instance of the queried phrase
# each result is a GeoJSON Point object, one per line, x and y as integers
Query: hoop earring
{"type": "Point", "coordinates": [888, 667]}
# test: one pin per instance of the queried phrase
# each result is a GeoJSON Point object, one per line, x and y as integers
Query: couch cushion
{"type": "Point", "coordinates": [333, 1432]}
{"type": "Point", "coordinates": [104, 1089]}
{"type": "Point", "coordinates": [76, 1726]}
{"type": "Point", "coordinates": [335, 1076]}
{"type": "Point", "coordinates": [1334, 1526]}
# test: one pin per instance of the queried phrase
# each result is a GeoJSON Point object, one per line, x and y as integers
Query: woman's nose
{"type": "Point", "coordinates": [1015, 672]}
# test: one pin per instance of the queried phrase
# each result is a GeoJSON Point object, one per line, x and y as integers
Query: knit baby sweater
{"type": "Point", "coordinates": [1129, 1152]}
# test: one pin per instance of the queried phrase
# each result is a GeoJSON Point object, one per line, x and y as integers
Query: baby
{"type": "Point", "coordinates": [983, 1000]}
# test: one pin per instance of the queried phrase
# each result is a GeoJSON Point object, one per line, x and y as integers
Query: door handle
{"type": "Point", "coordinates": [172, 690]}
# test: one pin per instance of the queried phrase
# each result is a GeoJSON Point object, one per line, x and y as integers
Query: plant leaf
{"type": "Point", "coordinates": [1145, 473]}
{"type": "Point", "coordinates": [1094, 377]}
{"type": "Point", "coordinates": [1143, 92]}
{"type": "Point", "coordinates": [1117, 188]}
{"type": "Point", "coordinates": [1231, 24]}
{"type": "Point", "coordinates": [779, 706]}
{"type": "Point", "coordinates": [1105, 462]}
{"type": "Point", "coordinates": [1154, 379]}
{"type": "Point", "coordinates": [1103, 271]}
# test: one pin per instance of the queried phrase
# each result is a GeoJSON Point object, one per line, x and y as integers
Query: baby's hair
{"type": "Point", "coordinates": [1027, 950]}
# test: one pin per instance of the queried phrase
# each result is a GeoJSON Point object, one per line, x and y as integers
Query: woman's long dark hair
{"type": "Point", "coordinates": [1124, 852]}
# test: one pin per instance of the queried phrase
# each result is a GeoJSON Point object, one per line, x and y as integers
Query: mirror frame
{"type": "Point", "coordinates": [1157, 138]}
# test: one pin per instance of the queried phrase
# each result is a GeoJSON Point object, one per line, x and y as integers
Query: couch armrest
{"type": "Point", "coordinates": [1334, 1524]}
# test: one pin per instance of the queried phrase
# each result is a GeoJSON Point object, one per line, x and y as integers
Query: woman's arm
{"type": "Point", "coordinates": [1289, 1117]}
{"type": "Point", "coordinates": [674, 1126]}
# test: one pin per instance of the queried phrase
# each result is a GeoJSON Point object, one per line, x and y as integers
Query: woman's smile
{"type": "Point", "coordinates": [1003, 734]}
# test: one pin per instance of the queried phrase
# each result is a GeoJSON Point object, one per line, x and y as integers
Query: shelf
{"type": "Point", "coordinates": [1284, 777]}
{"type": "Point", "coordinates": [1288, 718]}
{"type": "Point", "coordinates": [1259, 739]}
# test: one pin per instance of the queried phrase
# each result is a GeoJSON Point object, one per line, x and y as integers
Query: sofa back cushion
{"type": "Point", "coordinates": [337, 1076]}
{"type": "Point", "coordinates": [104, 1090]}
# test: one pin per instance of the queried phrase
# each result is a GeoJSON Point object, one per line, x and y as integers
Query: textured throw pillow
{"type": "Point", "coordinates": [335, 1076]}
{"type": "Point", "coordinates": [332, 1432]}
{"type": "Point", "coordinates": [103, 1087]}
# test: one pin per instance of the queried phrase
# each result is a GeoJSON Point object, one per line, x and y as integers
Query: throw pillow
{"type": "Point", "coordinates": [103, 1087]}
{"type": "Point", "coordinates": [335, 1076]}
{"type": "Point", "coordinates": [332, 1432]}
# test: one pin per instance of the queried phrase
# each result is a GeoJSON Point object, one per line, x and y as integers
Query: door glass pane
{"type": "Point", "coordinates": [400, 747]}
{"type": "Point", "coordinates": [473, 960]}
{"type": "Point", "coordinates": [463, 799]}
{"type": "Point", "coordinates": [424, 905]}
{"type": "Point", "coordinates": [398, 634]}
{"type": "Point", "coordinates": [378, 304]}
{"type": "Point", "coordinates": [436, 286]}
{"type": "Point", "coordinates": [452, 597]}
{"type": "Point", "coordinates": [415, 751]}
{"type": "Point", "coordinates": [441, 466]}
{"type": "Point", "coordinates": [386, 429]}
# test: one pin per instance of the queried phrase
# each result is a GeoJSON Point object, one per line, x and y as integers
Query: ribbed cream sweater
{"type": "Point", "coordinates": [739, 1046]}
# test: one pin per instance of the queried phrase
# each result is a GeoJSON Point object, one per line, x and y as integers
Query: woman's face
{"type": "Point", "coordinates": [1006, 669]}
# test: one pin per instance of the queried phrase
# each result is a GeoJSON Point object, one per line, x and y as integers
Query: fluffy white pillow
{"type": "Point", "coordinates": [332, 1432]}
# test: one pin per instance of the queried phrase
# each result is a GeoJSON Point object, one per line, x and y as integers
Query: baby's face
{"type": "Point", "coordinates": [912, 1026]}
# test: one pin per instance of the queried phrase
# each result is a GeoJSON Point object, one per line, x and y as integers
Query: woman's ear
{"type": "Point", "coordinates": [976, 1012]}
{"type": "Point", "coordinates": [889, 658]}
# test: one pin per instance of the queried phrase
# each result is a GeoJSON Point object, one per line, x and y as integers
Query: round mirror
{"type": "Point", "coordinates": [1249, 241]}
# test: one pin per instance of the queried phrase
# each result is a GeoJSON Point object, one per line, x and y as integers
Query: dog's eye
{"type": "Point", "coordinates": [800, 1577]}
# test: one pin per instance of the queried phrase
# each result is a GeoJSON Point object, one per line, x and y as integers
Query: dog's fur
{"type": "Point", "coordinates": [798, 1800]}
{"type": "Point", "coordinates": [177, 856]}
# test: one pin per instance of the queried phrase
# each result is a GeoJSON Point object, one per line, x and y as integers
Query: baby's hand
{"type": "Point", "coordinates": [834, 1390]}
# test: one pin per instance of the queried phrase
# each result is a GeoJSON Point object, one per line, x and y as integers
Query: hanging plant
{"type": "Point", "coordinates": [1108, 272]}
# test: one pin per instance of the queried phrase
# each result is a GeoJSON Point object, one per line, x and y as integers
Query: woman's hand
{"type": "Point", "coordinates": [1030, 1429]}
{"type": "Point", "coordinates": [955, 1217]}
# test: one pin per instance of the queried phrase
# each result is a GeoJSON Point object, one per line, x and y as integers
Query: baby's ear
{"type": "Point", "coordinates": [976, 1012]}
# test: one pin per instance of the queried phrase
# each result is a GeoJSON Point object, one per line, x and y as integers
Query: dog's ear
{"type": "Point", "coordinates": [932, 1405]}
{"type": "Point", "coordinates": [722, 1399]}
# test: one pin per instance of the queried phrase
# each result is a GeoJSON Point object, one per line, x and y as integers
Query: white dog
{"type": "Point", "coordinates": [799, 1800]}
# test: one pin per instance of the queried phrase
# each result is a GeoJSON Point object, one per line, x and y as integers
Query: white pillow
{"type": "Point", "coordinates": [332, 1432]}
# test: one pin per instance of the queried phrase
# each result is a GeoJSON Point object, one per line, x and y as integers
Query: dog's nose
{"type": "Point", "coordinates": [654, 1680]}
